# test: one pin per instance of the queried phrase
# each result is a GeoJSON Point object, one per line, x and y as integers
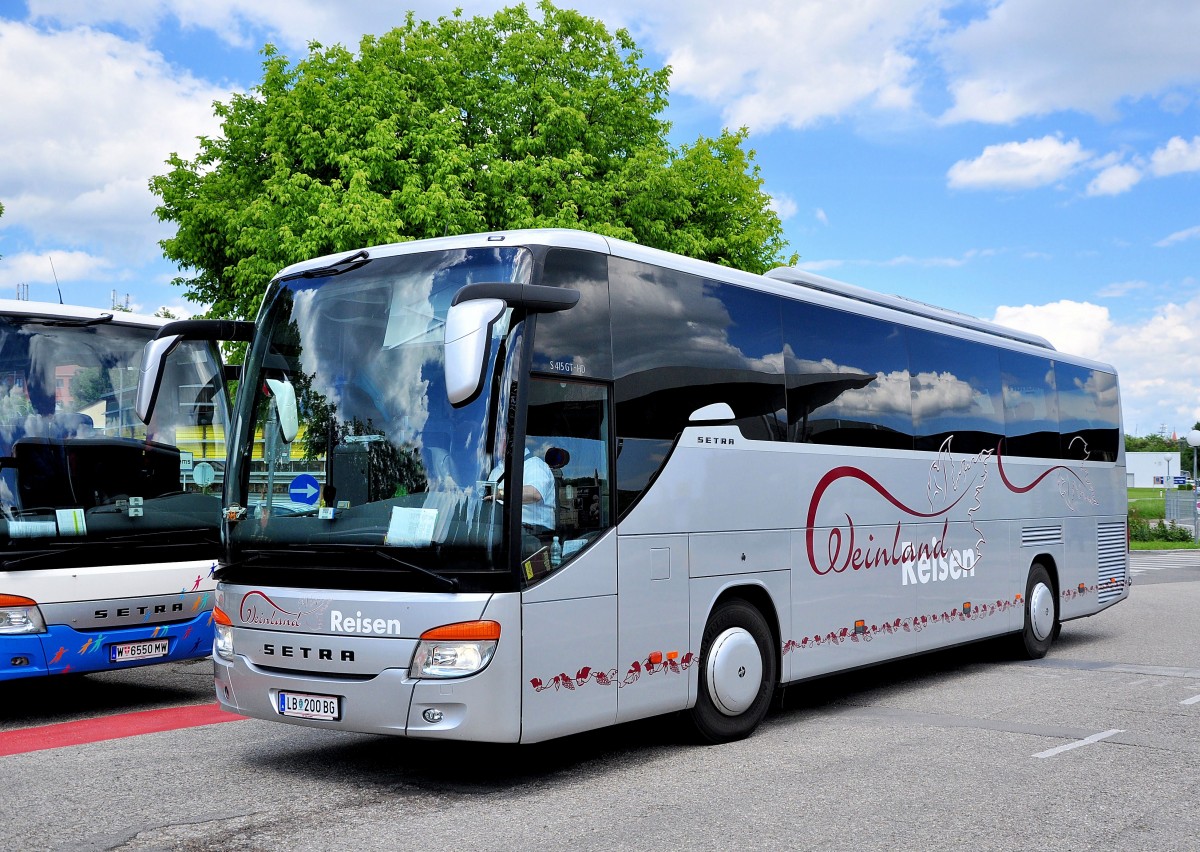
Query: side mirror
{"type": "Point", "coordinates": [154, 359]}
{"type": "Point", "coordinates": [468, 334]}
{"type": "Point", "coordinates": [284, 396]}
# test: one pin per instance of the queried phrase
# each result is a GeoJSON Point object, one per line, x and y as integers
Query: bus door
{"type": "Point", "coordinates": [572, 671]}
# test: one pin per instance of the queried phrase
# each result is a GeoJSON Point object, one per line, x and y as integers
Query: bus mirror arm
{"type": "Point", "coordinates": [535, 298]}
{"type": "Point", "coordinates": [169, 336]}
{"type": "Point", "coordinates": [473, 312]}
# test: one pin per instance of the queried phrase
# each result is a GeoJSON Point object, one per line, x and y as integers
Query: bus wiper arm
{"type": "Point", "coordinates": [346, 264]}
{"type": "Point", "coordinates": [125, 538]}
{"type": "Point", "coordinates": [452, 582]}
{"type": "Point", "coordinates": [78, 323]}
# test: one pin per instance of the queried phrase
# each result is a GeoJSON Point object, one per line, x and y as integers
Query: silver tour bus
{"type": "Point", "coordinates": [511, 486]}
{"type": "Point", "coordinates": [110, 527]}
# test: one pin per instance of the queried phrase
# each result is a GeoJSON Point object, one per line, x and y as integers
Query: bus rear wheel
{"type": "Point", "coordinates": [1041, 614]}
{"type": "Point", "coordinates": [737, 673]}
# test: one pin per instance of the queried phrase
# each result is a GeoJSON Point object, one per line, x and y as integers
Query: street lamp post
{"type": "Point", "coordinates": [1193, 439]}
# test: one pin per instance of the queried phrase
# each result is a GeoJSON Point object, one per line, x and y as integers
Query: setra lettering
{"type": "Point", "coordinates": [270, 650]}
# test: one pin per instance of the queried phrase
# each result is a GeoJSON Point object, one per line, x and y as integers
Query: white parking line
{"type": "Point", "coordinates": [1094, 738]}
{"type": "Point", "coordinates": [1193, 700]}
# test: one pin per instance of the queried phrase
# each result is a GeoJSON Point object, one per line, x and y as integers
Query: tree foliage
{"type": "Point", "coordinates": [448, 127]}
{"type": "Point", "coordinates": [90, 385]}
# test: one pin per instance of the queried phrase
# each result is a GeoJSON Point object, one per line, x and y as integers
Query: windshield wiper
{"type": "Point", "coordinates": [148, 535]}
{"type": "Point", "coordinates": [31, 555]}
{"type": "Point", "coordinates": [452, 582]}
{"type": "Point", "coordinates": [346, 264]}
{"type": "Point", "coordinates": [76, 323]}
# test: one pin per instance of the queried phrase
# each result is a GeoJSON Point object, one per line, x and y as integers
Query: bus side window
{"type": "Point", "coordinates": [568, 428]}
{"type": "Point", "coordinates": [1030, 406]}
{"type": "Point", "coordinates": [1089, 413]}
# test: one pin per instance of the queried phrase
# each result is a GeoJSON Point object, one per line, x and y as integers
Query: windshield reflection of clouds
{"type": "Point", "coordinates": [367, 358]}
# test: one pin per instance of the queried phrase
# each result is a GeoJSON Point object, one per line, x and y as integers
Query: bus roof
{"type": "Point", "coordinates": [53, 310]}
{"type": "Point", "coordinates": [776, 280]}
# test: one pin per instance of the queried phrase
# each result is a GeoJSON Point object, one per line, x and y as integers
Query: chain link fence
{"type": "Point", "coordinates": [1181, 507]}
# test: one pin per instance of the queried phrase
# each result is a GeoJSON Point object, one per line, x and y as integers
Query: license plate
{"type": "Point", "coordinates": [147, 650]}
{"type": "Point", "coordinates": [305, 706]}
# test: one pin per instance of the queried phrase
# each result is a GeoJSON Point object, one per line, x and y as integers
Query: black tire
{"type": "Point", "coordinates": [727, 709]}
{"type": "Point", "coordinates": [1041, 614]}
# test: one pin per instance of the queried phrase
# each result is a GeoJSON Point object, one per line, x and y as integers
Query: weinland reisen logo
{"type": "Point", "coordinates": [259, 610]}
{"type": "Point", "coordinates": [951, 481]}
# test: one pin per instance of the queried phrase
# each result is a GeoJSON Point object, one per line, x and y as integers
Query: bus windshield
{"type": "Point", "coordinates": [355, 447]}
{"type": "Point", "coordinates": [82, 481]}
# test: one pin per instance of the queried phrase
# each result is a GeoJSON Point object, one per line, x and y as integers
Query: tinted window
{"type": "Point", "coordinates": [576, 342]}
{"type": "Point", "coordinates": [956, 393]}
{"type": "Point", "coordinates": [847, 379]}
{"type": "Point", "coordinates": [1089, 413]}
{"type": "Point", "coordinates": [682, 342]}
{"type": "Point", "coordinates": [1030, 406]}
{"type": "Point", "coordinates": [568, 434]}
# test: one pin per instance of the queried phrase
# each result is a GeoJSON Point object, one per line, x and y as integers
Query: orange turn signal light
{"type": "Point", "coordinates": [16, 600]}
{"type": "Point", "coordinates": [221, 618]}
{"type": "Point", "coordinates": [464, 631]}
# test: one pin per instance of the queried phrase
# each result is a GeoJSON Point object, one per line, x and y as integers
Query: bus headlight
{"type": "Point", "coordinates": [223, 634]}
{"type": "Point", "coordinates": [455, 650]}
{"type": "Point", "coordinates": [20, 615]}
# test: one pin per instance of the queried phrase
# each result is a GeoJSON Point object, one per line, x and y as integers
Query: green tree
{"type": "Point", "coordinates": [448, 127]}
{"type": "Point", "coordinates": [90, 385]}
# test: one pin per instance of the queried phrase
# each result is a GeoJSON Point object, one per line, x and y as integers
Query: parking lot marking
{"type": "Point", "coordinates": [1094, 738]}
{"type": "Point", "coordinates": [1193, 700]}
{"type": "Point", "coordinates": [116, 727]}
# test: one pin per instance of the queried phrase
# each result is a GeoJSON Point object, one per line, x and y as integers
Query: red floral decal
{"type": "Point", "coordinates": [636, 669]}
{"type": "Point", "coordinates": [900, 625]}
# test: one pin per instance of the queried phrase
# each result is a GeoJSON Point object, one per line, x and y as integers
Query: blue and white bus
{"type": "Point", "coordinates": [111, 528]}
{"type": "Point", "coordinates": [727, 483]}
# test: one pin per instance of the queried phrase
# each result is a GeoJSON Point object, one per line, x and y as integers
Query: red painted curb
{"type": "Point", "coordinates": [116, 727]}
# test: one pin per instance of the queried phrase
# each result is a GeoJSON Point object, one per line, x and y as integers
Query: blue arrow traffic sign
{"type": "Point", "coordinates": [304, 489]}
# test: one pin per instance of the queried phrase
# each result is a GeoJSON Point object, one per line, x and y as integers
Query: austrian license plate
{"type": "Point", "coordinates": [148, 650]}
{"type": "Point", "coordinates": [305, 706]}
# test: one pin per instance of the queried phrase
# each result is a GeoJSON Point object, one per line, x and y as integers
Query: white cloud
{"type": "Point", "coordinates": [1019, 165]}
{"type": "Point", "coordinates": [792, 62]}
{"type": "Point", "coordinates": [1121, 288]}
{"type": "Point", "coordinates": [1178, 155]}
{"type": "Point", "coordinates": [1075, 327]}
{"type": "Point", "coordinates": [821, 216]}
{"type": "Point", "coordinates": [1179, 237]}
{"type": "Point", "coordinates": [783, 205]}
{"type": "Point", "coordinates": [38, 271]}
{"type": "Point", "coordinates": [1030, 57]}
{"type": "Point", "coordinates": [1115, 180]}
{"type": "Point", "coordinates": [98, 116]}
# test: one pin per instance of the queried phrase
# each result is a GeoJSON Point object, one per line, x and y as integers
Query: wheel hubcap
{"type": "Point", "coordinates": [734, 671]}
{"type": "Point", "coordinates": [1041, 611]}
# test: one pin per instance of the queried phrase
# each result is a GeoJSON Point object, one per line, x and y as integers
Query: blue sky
{"type": "Point", "coordinates": [1035, 162]}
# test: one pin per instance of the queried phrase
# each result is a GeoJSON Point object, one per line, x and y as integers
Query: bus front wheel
{"type": "Point", "coordinates": [1041, 614]}
{"type": "Point", "coordinates": [737, 673]}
